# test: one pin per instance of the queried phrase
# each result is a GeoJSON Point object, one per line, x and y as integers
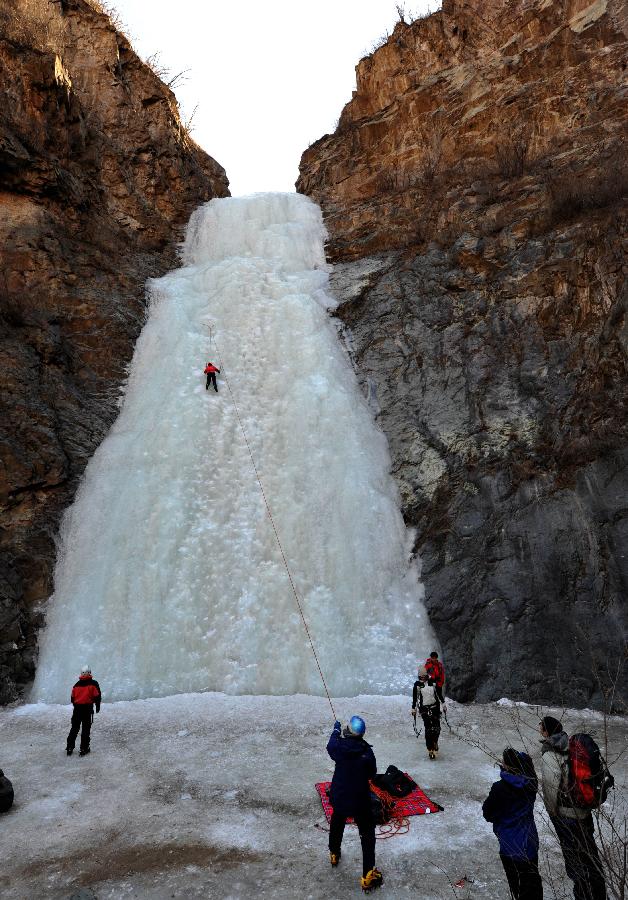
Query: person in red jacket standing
{"type": "Point", "coordinates": [435, 669]}
{"type": "Point", "coordinates": [210, 370]}
{"type": "Point", "coordinates": [85, 694]}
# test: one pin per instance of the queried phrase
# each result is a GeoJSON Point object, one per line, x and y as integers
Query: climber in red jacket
{"type": "Point", "coordinates": [435, 668]}
{"type": "Point", "coordinates": [210, 370]}
{"type": "Point", "coordinates": [85, 694]}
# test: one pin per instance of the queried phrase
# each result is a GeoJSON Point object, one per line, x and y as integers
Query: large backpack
{"type": "Point", "coordinates": [587, 781]}
{"type": "Point", "coordinates": [395, 782]}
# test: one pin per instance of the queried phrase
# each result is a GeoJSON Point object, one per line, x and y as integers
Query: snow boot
{"type": "Point", "coordinates": [68, 751]}
{"type": "Point", "coordinates": [372, 880]}
{"type": "Point", "coordinates": [83, 752]}
{"type": "Point", "coordinates": [431, 754]}
{"type": "Point", "coordinates": [334, 858]}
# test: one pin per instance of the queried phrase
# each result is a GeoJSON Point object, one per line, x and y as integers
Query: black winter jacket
{"type": "Point", "coordinates": [6, 793]}
{"type": "Point", "coordinates": [350, 792]}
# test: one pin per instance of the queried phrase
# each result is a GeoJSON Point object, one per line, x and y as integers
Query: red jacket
{"type": "Point", "coordinates": [209, 368]}
{"type": "Point", "coordinates": [436, 670]}
{"type": "Point", "coordinates": [85, 692]}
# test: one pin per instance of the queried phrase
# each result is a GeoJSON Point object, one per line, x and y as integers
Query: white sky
{"type": "Point", "coordinates": [269, 77]}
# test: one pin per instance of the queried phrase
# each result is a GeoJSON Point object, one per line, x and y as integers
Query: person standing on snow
{"type": "Point", "coordinates": [6, 793]}
{"type": "Point", "coordinates": [85, 694]}
{"type": "Point", "coordinates": [210, 370]}
{"type": "Point", "coordinates": [350, 796]}
{"type": "Point", "coordinates": [435, 669]}
{"type": "Point", "coordinates": [431, 700]}
{"type": "Point", "coordinates": [510, 808]}
{"type": "Point", "coordinates": [573, 826]}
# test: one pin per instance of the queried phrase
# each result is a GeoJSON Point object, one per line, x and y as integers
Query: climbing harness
{"type": "Point", "coordinates": [212, 340]}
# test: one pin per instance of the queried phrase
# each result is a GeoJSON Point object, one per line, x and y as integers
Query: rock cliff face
{"type": "Point", "coordinates": [474, 193]}
{"type": "Point", "coordinates": [97, 178]}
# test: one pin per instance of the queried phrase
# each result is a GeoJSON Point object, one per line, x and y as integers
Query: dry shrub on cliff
{"type": "Point", "coordinates": [572, 194]}
{"type": "Point", "coordinates": [33, 23]}
{"type": "Point", "coordinates": [511, 154]}
{"type": "Point", "coordinates": [109, 10]}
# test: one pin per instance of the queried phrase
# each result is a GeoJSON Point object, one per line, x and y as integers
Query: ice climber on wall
{"type": "Point", "coordinates": [350, 796]}
{"type": "Point", "coordinates": [85, 694]}
{"type": "Point", "coordinates": [210, 370]}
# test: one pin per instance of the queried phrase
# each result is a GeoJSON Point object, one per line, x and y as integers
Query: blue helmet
{"type": "Point", "coordinates": [357, 726]}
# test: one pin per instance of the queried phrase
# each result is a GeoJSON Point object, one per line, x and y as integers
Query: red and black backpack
{"type": "Point", "coordinates": [587, 781]}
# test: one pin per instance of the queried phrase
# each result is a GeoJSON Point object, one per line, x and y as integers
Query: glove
{"type": "Point", "coordinates": [413, 713]}
{"type": "Point", "coordinates": [444, 708]}
{"type": "Point", "coordinates": [337, 726]}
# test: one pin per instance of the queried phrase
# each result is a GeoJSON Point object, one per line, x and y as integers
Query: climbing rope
{"type": "Point", "coordinates": [270, 515]}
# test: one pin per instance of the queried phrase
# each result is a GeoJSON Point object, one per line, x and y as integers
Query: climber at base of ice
{"type": "Point", "coordinates": [210, 370]}
{"type": "Point", "coordinates": [431, 701]}
{"type": "Point", "coordinates": [350, 795]}
{"type": "Point", "coordinates": [85, 694]}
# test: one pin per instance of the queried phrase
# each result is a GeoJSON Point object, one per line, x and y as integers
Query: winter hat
{"type": "Point", "coordinates": [551, 725]}
{"type": "Point", "coordinates": [86, 670]}
{"type": "Point", "coordinates": [512, 760]}
{"type": "Point", "coordinates": [422, 672]}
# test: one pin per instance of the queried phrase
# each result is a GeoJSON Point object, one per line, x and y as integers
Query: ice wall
{"type": "Point", "coordinates": [169, 578]}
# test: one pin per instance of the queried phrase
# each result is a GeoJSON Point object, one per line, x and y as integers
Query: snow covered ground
{"type": "Point", "coordinates": [209, 795]}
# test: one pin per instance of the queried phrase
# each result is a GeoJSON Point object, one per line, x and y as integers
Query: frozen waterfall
{"type": "Point", "coordinates": [169, 578]}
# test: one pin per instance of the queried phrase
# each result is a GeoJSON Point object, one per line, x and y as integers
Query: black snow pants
{"type": "Point", "coordinates": [81, 716]}
{"type": "Point", "coordinates": [431, 720]}
{"type": "Point", "coordinates": [523, 877]}
{"type": "Point", "coordinates": [582, 863]}
{"type": "Point", "coordinates": [366, 827]}
{"type": "Point", "coordinates": [211, 377]}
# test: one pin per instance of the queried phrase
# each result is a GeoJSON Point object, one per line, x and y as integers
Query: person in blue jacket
{"type": "Point", "coordinates": [350, 795]}
{"type": "Point", "coordinates": [510, 808]}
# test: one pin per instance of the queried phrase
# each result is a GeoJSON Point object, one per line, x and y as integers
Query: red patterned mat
{"type": "Point", "coordinates": [416, 803]}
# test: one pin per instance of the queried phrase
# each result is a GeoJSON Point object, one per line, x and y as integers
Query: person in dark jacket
{"type": "Point", "coordinates": [431, 700]}
{"type": "Point", "coordinates": [6, 793]}
{"type": "Point", "coordinates": [510, 808]}
{"type": "Point", "coordinates": [350, 795]}
{"type": "Point", "coordinates": [85, 695]}
{"type": "Point", "coordinates": [210, 370]}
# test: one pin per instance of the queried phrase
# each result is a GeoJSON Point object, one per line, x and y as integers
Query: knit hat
{"type": "Point", "coordinates": [422, 672]}
{"type": "Point", "coordinates": [551, 725]}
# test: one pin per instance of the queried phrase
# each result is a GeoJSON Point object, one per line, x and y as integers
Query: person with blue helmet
{"type": "Point", "coordinates": [510, 808]}
{"type": "Point", "coordinates": [350, 795]}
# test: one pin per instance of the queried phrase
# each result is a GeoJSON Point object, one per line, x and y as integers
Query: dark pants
{"type": "Point", "coordinates": [81, 716]}
{"type": "Point", "coordinates": [211, 377]}
{"type": "Point", "coordinates": [431, 720]}
{"type": "Point", "coordinates": [582, 862]}
{"type": "Point", "coordinates": [523, 877]}
{"type": "Point", "coordinates": [366, 827]}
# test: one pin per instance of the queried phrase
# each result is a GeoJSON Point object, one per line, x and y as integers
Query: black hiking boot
{"type": "Point", "coordinates": [83, 752]}
{"type": "Point", "coordinates": [69, 751]}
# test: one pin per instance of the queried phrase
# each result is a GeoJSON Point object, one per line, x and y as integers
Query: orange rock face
{"type": "Point", "coordinates": [455, 109]}
{"type": "Point", "coordinates": [98, 176]}
{"type": "Point", "coordinates": [475, 198]}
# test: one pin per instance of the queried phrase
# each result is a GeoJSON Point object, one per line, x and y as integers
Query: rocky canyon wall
{"type": "Point", "coordinates": [474, 192]}
{"type": "Point", "coordinates": [97, 178]}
